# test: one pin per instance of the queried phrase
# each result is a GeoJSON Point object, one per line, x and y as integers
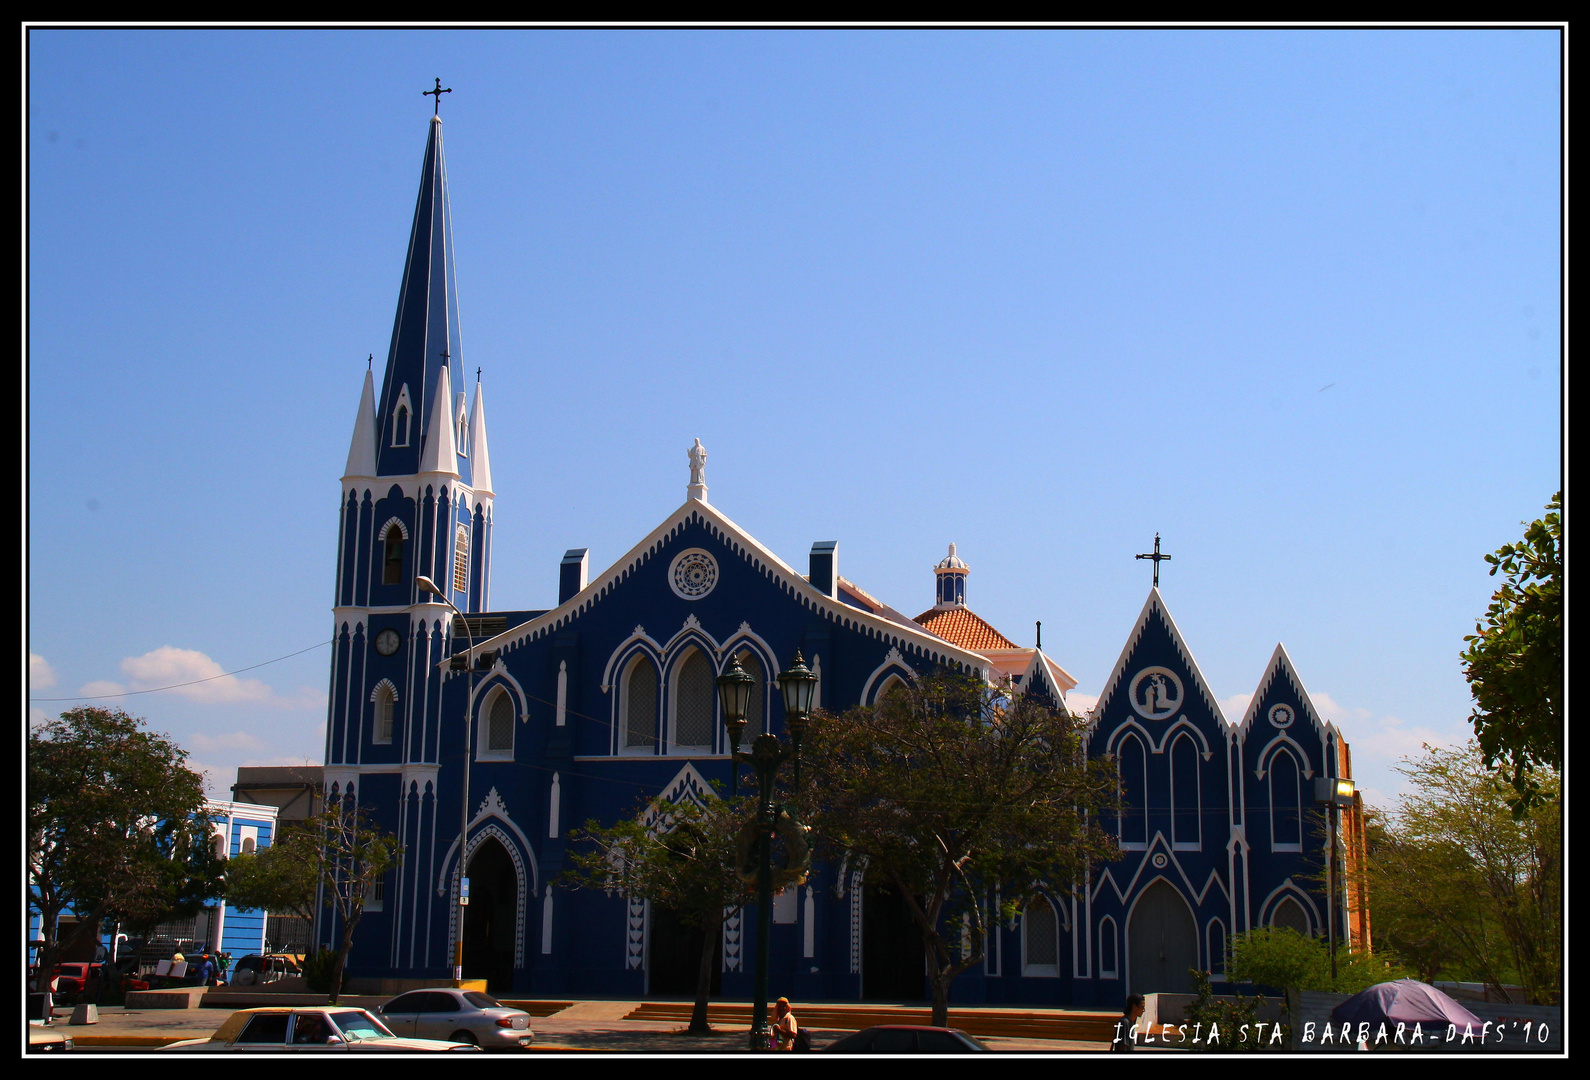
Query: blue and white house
{"type": "Point", "coordinates": [580, 710]}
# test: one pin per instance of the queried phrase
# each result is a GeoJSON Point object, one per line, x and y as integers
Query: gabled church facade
{"type": "Point", "coordinates": [607, 699]}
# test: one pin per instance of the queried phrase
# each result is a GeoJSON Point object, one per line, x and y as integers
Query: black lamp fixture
{"type": "Point", "coordinates": [798, 686]}
{"type": "Point", "coordinates": [734, 692]}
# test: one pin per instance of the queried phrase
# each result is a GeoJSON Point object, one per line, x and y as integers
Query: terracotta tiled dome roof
{"type": "Point", "coordinates": [959, 626]}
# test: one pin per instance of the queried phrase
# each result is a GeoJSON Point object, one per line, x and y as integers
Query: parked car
{"type": "Point", "coordinates": [254, 969]}
{"type": "Point", "coordinates": [47, 1040]}
{"type": "Point", "coordinates": [907, 1039]}
{"type": "Point", "coordinates": [321, 1028]}
{"type": "Point", "coordinates": [460, 1016]}
{"type": "Point", "coordinates": [72, 979]}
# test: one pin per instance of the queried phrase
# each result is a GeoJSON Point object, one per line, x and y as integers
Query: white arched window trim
{"type": "Point", "coordinates": [1109, 949]}
{"type": "Point", "coordinates": [649, 747]}
{"type": "Point", "coordinates": [1137, 789]}
{"type": "Point", "coordinates": [1182, 802]}
{"type": "Point", "coordinates": [1291, 801]}
{"type": "Point", "coordinates": [383, 720]}
{"type": "Point", "coordinates": [483, 714]}
{"type": "Point", "coordinates": [402, 418]}
{"type": "Point", "coordinates": [675, 683]}
{"type": "Point", "coordinates": [1038, 918]}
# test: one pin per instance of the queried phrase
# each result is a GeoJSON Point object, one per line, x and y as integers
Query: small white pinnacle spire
{"type": "Point", "coordinates": [441, 449]}
{"type": "Point", "coordinates": [698, 472]}
{"type": "Point", "coordinates": [361, 452]}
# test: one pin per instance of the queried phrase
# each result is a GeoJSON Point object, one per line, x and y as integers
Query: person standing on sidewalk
{"type": "Point", "coordinates": [784, 1026]}
{"type": "Point", "coordinates": [1126, 1026]}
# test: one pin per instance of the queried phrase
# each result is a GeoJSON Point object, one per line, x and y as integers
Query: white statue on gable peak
{"type": "Point", "coordinates": [698, 471]}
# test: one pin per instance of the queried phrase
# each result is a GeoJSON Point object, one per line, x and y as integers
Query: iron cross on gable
{"type": "Point", "coordinates": [438, 92]}
{"type": "Point", "coordinates": [1157, 557]}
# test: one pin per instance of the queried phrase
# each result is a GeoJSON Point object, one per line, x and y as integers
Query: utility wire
{"type": "Point", "coordinates": [174, 686]}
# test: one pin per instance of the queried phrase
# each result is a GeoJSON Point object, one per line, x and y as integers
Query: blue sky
{"type": "Point", "coordinates": [1289, 298]}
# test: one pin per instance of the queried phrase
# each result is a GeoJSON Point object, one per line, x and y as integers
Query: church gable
{"type": "Point", "coordinates": [1160, 724]}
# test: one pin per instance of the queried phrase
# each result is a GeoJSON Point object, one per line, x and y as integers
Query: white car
{"type": "Point", "coordinates": [443, 1012]}
{"type": "Point", "coordinates": [322, 1028]}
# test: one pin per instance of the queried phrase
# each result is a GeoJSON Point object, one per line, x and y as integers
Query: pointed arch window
{"type": "Point", "coordinates": [1217, 949]}
{"type": "Point", "coordinates": [1109, 963]}
{"type": "Point", "coordinates": [1289, 914]}
{"type": "Point", "coordinates": [1040, 940]}
{"type": "Point", "coordinates": [1286, 803]}
{"type": "Point", "coordinates": [401, 414]}
{"type": "Point", "coordinates": [693, 703]}
{"type": "Point", "coordinates": [461, 559]}
{"type": "Point", "coordinates": [385, 703]}
{"type": "Point", "coordinates": [463, 429]}
{"type": "Point", "coordinates": [640, 705]}
{"type": "Point", "coordinates": [1133, 763]}
{"type": "Point", "coordinates": [496, 726]}
{"type": "Point", "coordinates": [1185, 809]}
{"type": "Point", "coordinates": [392, 567]}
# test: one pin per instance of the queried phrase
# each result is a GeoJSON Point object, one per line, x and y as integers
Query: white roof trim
{"type": "Point", "coordinates": [1281, 662]}
{"type": "Point", "coordinates": [903, 636]}
{"type": "Point", "coordinates": [1155, 600]}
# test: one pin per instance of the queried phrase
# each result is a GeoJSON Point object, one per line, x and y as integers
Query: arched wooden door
{"type": "Point", "coordinates": [1161, 943]}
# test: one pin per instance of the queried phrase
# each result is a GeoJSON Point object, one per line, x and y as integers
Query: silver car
{"type": "Point", "coordinates": [458, 1016]}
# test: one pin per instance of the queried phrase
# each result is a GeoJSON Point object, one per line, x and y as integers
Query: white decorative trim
{"type": "Point", "coordinates": [635, 934]}
{"type": "Point", "coordinates": [1157, 603]}
{"type": "Point", "coordinates": [731, 939]}
{"type": "Point", "coordinates": [380, 534]}
{"type": "Point", "coordinates": [524, 887]}
{"type": "Point", "coordinates": [404, 403]}
{"type": "Point", "coordinates": [1287, 888]}
{"type": "Point", "coordinates": [693, 574]}
{"type": "Point", "coordinates": [1270, 748]}
{"type": "Point", "coordinates": [911, 639]}
{"type": "Point", "coordinates": [546, 922]}
{"type": "Point", "coordinates": [855, 922]}
{"type": "Point", "coordinates": [893, 663]}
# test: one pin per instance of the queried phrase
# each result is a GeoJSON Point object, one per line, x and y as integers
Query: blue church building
{"type": "Point", "coordinates": [582, 710]}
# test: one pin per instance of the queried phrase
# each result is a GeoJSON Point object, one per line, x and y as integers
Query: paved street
{"type": "Point", "coordinates": [582, 1027]}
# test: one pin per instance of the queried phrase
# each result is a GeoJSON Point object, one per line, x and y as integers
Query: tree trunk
{"type": "Point", "coordinates": [709, 953]}
{"type": "Point", "coordinates": [342, 957]}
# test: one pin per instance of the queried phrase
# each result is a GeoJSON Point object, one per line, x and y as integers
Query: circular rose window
{"type": "Point", "coordinates": [693, 574]}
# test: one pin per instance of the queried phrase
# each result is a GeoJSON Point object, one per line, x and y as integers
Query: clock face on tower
{"type": "Point", "coordinates": [387, 642]}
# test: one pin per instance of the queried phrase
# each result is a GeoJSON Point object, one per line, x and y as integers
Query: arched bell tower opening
{"type": "Point", "coordinates": [489, 929]}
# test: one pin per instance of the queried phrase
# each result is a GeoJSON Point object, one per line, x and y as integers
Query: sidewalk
{"type": "Point", "coordinates": [585, 1026]}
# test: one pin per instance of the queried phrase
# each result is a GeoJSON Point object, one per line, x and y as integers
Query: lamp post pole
{"type": "Point", "coordinates": [767, 754]}
{"type": "Point", "coordinates": [1332, 792]}
{"type": "Point", "coordinates": [463, 813]}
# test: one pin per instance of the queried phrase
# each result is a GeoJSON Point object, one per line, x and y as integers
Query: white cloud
{"type": "Point", "coordinates": [41, 676]}
{"type": "Point", "coordinates": [37, 717]}
{"type": "Point", "coordinates": [1236, 707]}
{"type": "Point", "coordinates": [1079, 702]}
{"type": "Point", "coordinates": [170, 666]}
{"type": "Point", "coordinates": [100, 688]}
{"type": "Point", "coordinates": [236, 740]}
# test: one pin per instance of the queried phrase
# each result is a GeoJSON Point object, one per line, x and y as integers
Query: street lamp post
{"type": "Point", "coordinates": [463, 815]}
{"type": "Point", "coordinates": [767, 754]}
{"type": "Point", "coordinates": [1332, 793]}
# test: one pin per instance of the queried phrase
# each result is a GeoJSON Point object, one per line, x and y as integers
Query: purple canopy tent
{"type": "Point", "coordinates": [1406, 1001]}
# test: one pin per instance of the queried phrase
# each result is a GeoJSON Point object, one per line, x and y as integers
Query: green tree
{"type": "Point", "coordinates": [1514, 659]}
{"type": "Point", "coordinates": [277, 878]}
{"type": "Point", "coordinates": [1458, 880]}
{"type": "Point", "coordinates": [116, 827]}
{"type": "Point", "coordinates": [950, 789]}
{"type": "Point", "coordinates": [344, 854]}
{"type": "Point", "coordinates": [679, 856]}
{"type": "Point", "coordinates": [1283, 958]}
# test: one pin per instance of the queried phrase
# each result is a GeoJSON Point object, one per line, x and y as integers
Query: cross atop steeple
{"type": "Point", "coordinates": [438, 92]}
{"type": "Point", "coordinates": [1157, 557]}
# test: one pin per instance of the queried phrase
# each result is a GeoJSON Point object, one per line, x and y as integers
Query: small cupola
{"type": "Point", "coordinates": [951, 573]}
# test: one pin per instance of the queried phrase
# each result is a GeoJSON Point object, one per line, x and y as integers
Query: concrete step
{"type": "Point", "coordinates": [995, 1023]}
